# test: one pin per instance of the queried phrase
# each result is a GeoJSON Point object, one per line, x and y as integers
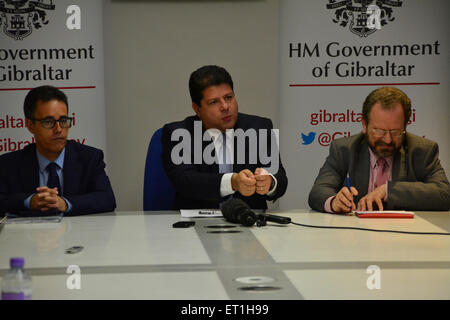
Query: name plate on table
{"type": "Point", "coordinates": [201, 213]}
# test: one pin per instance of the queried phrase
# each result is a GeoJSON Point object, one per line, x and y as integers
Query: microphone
{"type": "Point", "coordinates": [274, 218]}
{"type": "Point", "coordinates": [235, 210]}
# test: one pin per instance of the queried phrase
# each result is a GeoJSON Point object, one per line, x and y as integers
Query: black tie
{"type": "Point", "coordinates": [53, 179]}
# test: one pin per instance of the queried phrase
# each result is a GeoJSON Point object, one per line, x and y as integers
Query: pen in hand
{"type": "Point", "coordinates": [348, 186]}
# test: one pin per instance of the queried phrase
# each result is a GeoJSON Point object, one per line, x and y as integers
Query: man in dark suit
{"type": "Point", "coordinates": [53, 174]}
{"type": "Point", "coordinates": [388, 167]}
{"type": "Point", "coordinates": [237, 145]}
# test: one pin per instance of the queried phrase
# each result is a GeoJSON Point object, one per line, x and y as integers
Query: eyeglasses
{"type": "Point", "coordinates": [397, 133]}
{"type": "Point", "coordinates": [49, 123]}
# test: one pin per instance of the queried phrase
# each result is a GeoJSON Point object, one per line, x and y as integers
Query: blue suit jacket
{"type": "Point", "coordinates": [86, 184]}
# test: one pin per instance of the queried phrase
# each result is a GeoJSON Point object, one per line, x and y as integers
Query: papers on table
{"type": "Point", "coordinates": [385, 214]}
{"type": "Point", "coordinates": [51, 218]}
{"type": "Point", "coordinates": [201, 213]}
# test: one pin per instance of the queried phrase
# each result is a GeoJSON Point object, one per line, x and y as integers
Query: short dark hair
{"type": "Point", "coordinates": [386, 96]}
{"type": "Point", "coordinates": [44, 94]}
{"type": "Point", "coordinates": [205, 77]}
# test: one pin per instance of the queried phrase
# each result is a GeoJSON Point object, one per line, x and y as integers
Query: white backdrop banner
{"type": "Point", "coordinates": [57, 43]}
{"type": "Point", "coordinates": [334, 53]}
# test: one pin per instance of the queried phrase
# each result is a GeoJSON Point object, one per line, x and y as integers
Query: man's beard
{"type": "Point", "coordinates": [385, 153]}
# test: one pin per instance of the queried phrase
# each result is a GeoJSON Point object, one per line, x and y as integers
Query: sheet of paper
{"type": "Point", "coordinates": [201, 213]}
{"type": "Point", "coordinates": [11, 218]}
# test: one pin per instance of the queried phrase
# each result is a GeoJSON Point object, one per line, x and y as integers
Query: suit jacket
{"type": "Point", "coordinates": [86, 184]}
{"type": "Point", "coordinates": [198, 185]}
{"type": "Point", "coordinates": [418, 180]}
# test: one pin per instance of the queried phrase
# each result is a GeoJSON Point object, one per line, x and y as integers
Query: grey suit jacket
{"type": "Point", "coordinates": [418, 180]}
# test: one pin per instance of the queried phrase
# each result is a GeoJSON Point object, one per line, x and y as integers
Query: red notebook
{"type": "Point", "coordinates": [385, 214]}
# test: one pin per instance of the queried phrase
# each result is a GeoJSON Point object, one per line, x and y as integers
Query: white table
{"type": "Point", "coordinates": [138, 255]}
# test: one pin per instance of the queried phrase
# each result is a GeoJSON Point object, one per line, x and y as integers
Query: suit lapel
{"type": "Point", "coordinates": [399, 167]}
{"type": "Point", "coordinates": [29, 173]}
{"type": "Point", "coordinates": [72, 170]}
{"type": "Point", "coordinates": [362, 170]}
{"type": "Point", "coordinates": [214, 168]}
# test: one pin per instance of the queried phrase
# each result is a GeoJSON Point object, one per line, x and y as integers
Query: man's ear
{"type": "Point", "coordinates": [30, 125]}
{"type": "Point", "coordinates": [196, 109]}
{"type": "Point", "coordinates": [364, 124]}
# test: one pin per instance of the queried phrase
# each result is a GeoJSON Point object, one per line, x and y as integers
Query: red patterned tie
{"type": "Point", "coordinates": [381, 176]}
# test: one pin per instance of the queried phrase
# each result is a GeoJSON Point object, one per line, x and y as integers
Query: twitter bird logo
{"type": "Point", "coordinates": [308, 139]}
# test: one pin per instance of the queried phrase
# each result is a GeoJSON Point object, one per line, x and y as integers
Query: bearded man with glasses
{"type": "Point", "coordinates": [53, 174]}
{"type": "Point", "coordinates": [384, 167]}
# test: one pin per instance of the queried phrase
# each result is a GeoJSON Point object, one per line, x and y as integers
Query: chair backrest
{"type": "Point", "coordinates": [159, 193]}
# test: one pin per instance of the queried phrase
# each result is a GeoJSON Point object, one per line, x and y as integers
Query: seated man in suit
{"type": "Point", "coordinates": [53, 174]}
{"type": "Point", "coordinates": [212, 167]}
{"type": "Point", "coordinates": [388, 167]}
